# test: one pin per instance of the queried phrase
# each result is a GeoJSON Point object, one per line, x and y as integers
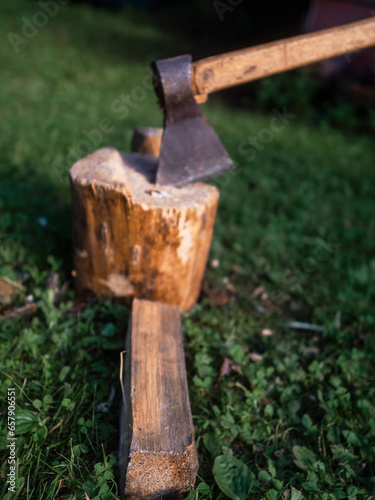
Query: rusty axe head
{"type": "Point", "coordinates": [190, 148]}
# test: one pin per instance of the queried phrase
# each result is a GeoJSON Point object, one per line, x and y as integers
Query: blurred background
{"type": "Point", "coordinates": [67, 68]}
{"type": "Point", "coordinates": [67, 65]}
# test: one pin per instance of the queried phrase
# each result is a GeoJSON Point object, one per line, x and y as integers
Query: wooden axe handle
{"type": "Point", "coordinates": [245, 65]}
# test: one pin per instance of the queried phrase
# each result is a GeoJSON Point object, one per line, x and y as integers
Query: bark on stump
{"type": "Point", "coordinates": [147, 140]}
{"type": "Point", "coordinates": [136, 239]}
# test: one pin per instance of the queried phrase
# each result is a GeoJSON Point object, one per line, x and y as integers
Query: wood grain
{"type": "Point", "coordinates": [241, 66]}
{"type": "Point", "coordinates": [158, 448]}
{"type": "Point", "coordinates": [136, 239]}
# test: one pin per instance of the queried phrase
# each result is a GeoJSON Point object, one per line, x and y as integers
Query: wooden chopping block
{"type": "Point", "coordinates": [157, 447]}
{"type": "Point", "coordinates": [133, 238]}
{"type": "Point", "coordinates": [147, 140]}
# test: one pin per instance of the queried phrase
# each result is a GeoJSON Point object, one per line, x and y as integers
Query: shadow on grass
{"type": "Point", "coordinates": [36, 217]}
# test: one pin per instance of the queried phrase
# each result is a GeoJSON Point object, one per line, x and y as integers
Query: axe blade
{"type": "Point", "coordinates": [190, 148]}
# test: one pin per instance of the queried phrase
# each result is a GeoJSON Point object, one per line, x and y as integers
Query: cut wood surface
{"type": "Point", "coordinates": [241, 66]}
{"type": "Point", "coordinates": [157, 449]}
{"type": "Point", "coordinates": [147, 140]}
{"type": "Point", "coordinates": [136, 239]}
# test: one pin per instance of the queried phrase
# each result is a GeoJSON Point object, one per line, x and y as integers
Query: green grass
{"type": "Point", "coordinates": [301, 420]}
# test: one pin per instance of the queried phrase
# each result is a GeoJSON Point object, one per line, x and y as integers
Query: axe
{"type": "Point", "coordinates": [190, 148]}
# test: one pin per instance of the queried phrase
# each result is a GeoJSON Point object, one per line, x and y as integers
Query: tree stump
{"type": "Point", "coordinates": [158, 457]}
{"type": "Point", "coordinates": [147, 140]}
{"type": "Point", "coordinates": [133, 238]}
